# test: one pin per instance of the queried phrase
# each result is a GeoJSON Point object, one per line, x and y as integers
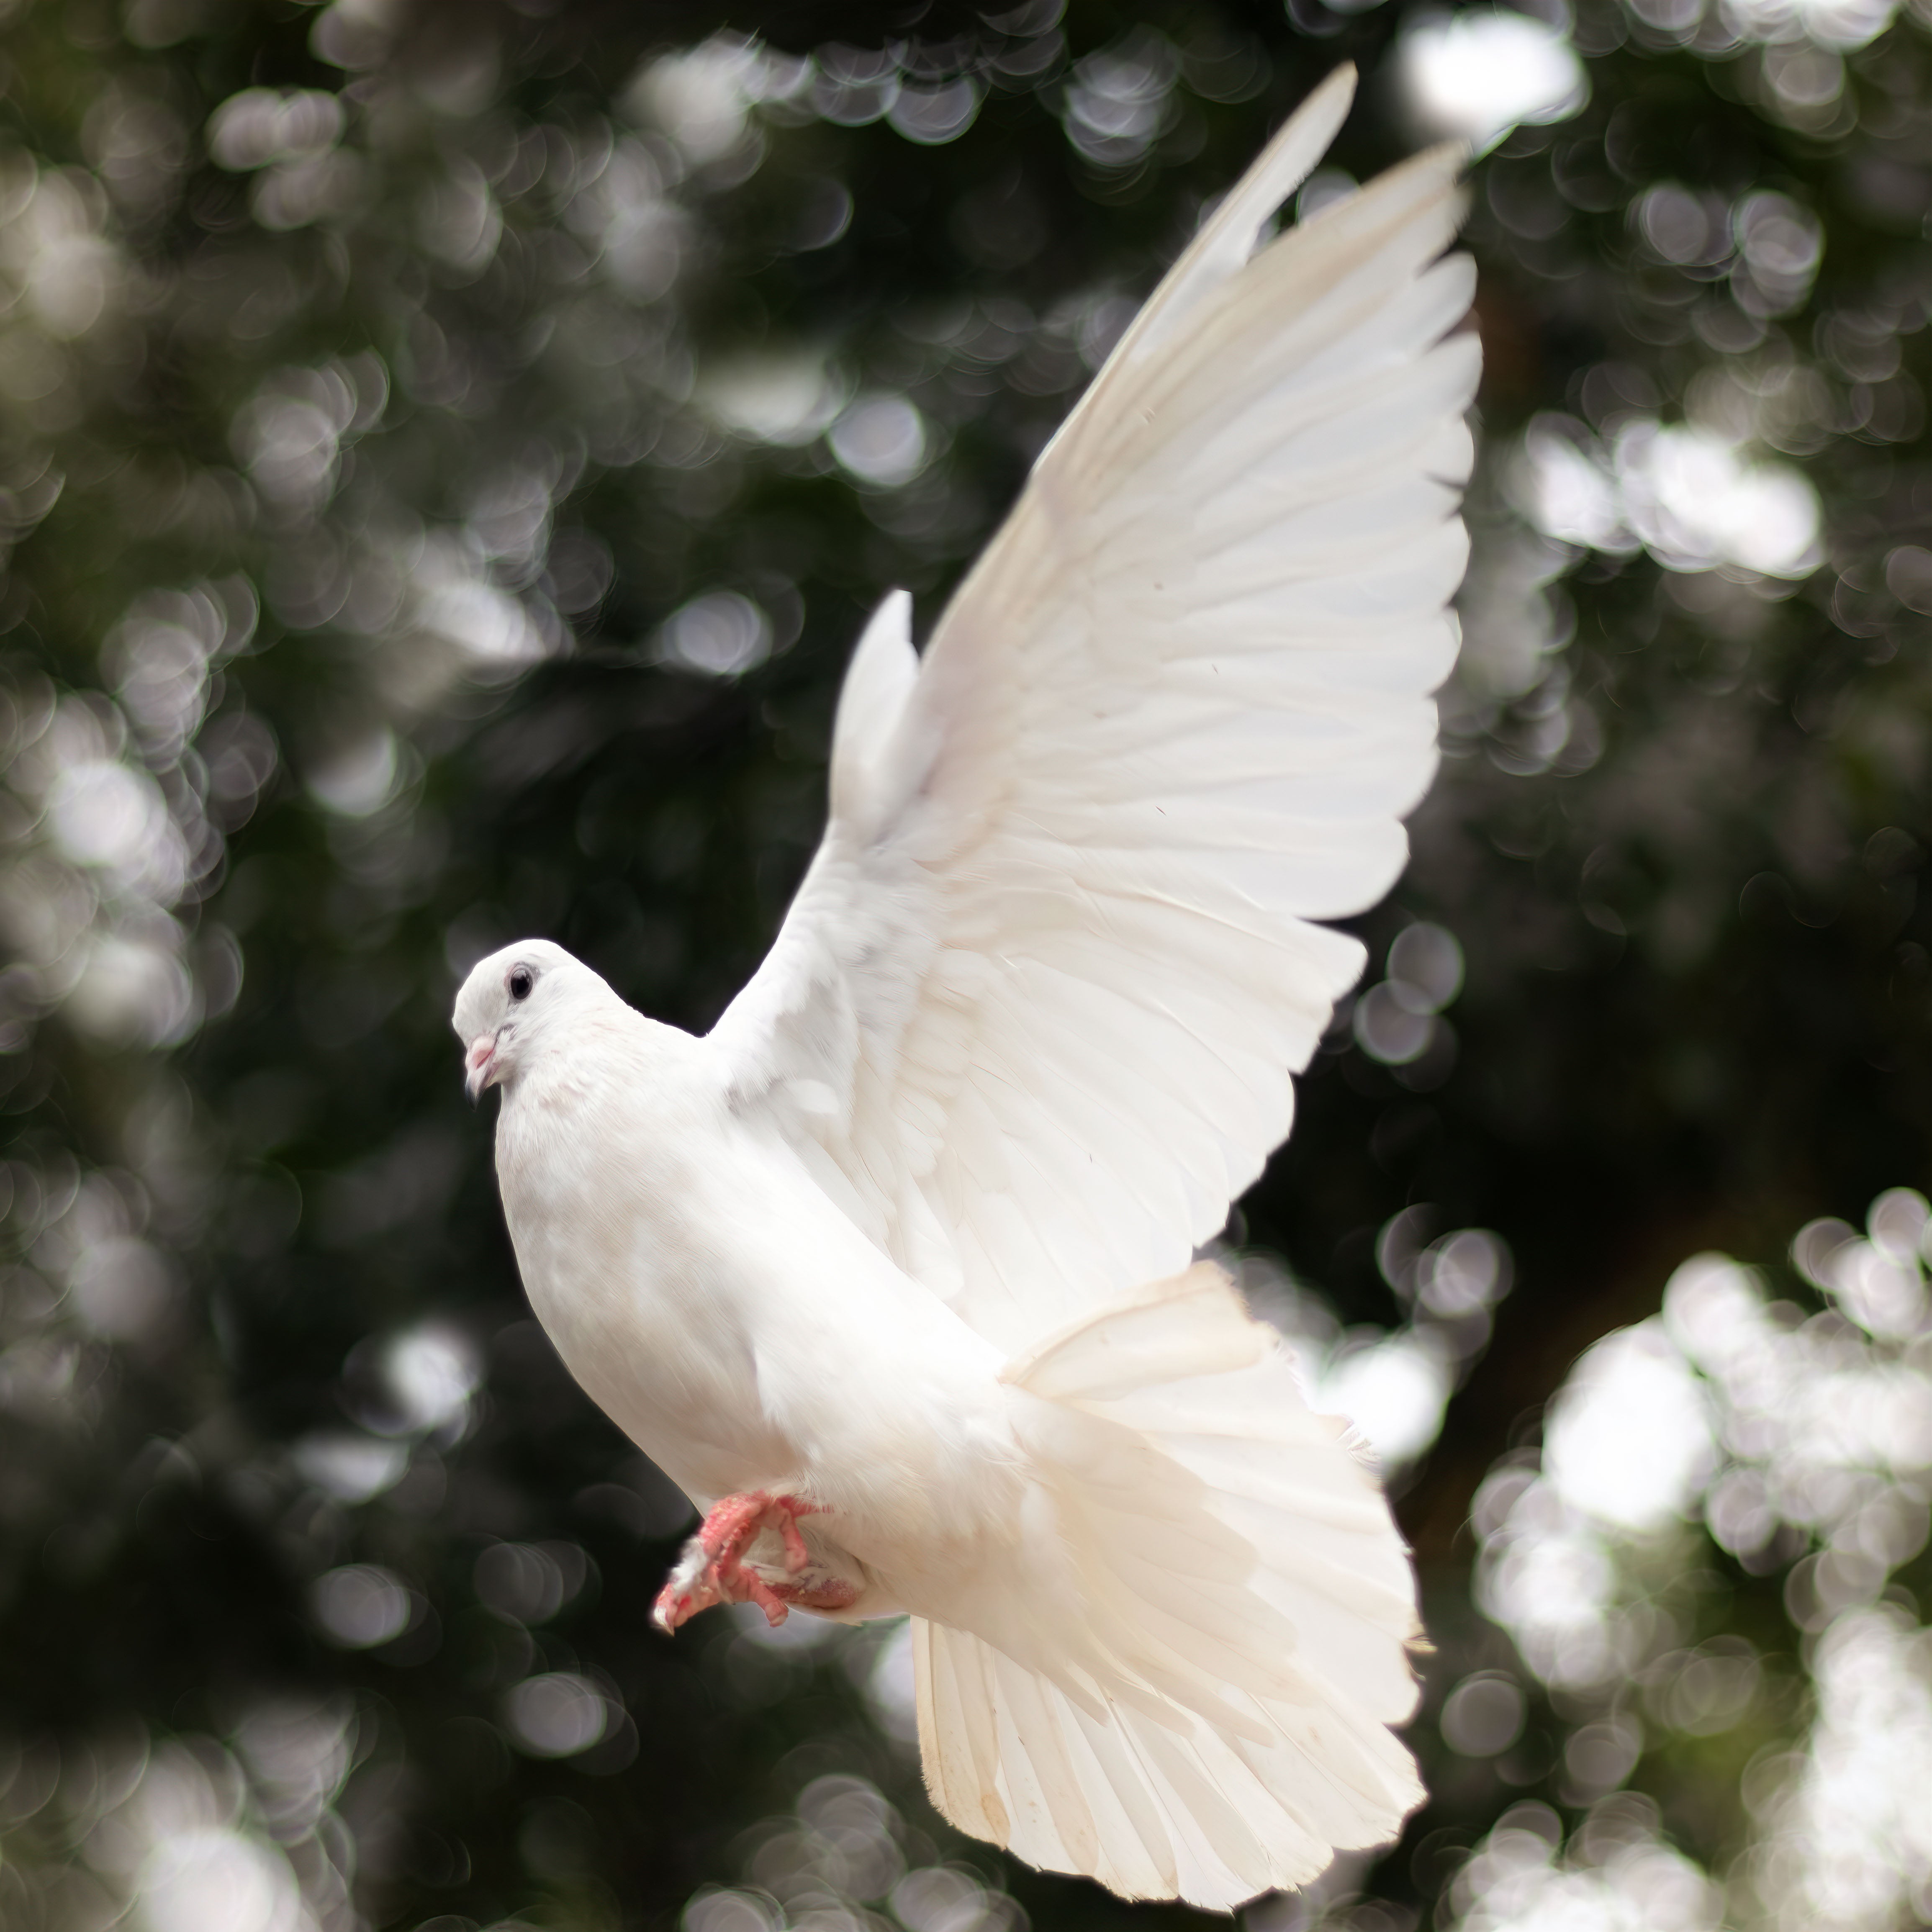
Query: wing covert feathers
{"type": "Point", "coordinates": [1217, 1723]}
{"type": "Point", "coordinates": [1033, 1014]}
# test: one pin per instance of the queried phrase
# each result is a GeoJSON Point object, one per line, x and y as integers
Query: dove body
{"type": "Point", "coordinates": [716, 1304]}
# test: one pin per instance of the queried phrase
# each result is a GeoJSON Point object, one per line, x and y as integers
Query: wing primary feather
{"type": "Point", "coordinates": [1227, 239]}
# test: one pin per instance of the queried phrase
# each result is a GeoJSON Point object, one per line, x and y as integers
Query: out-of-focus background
{"type": "Point", "coordinates": [446, 453]}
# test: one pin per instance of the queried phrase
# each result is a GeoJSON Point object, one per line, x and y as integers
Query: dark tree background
{"type": "Point", "coordinates": [446, 453]}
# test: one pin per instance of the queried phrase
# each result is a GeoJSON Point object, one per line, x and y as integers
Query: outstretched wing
{"type": "Point", "coordinates": [1033, 1012]}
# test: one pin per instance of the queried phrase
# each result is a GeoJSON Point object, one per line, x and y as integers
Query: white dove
{"type": "Point", "coordinates": [890, 1272]}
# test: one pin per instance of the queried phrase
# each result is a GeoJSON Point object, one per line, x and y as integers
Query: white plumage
{"type": "Point", "coordinates": [893, 1272]}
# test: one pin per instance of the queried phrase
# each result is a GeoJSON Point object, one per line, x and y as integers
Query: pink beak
{"type": "Point", "coordinates": [477, 1064]}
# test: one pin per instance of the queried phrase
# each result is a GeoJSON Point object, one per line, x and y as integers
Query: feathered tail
{"type": "Point", "coordinates": [1213, 1721]}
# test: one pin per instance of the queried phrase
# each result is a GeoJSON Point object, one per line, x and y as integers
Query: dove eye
{"type": "Point", "coordinates": [521, 980]}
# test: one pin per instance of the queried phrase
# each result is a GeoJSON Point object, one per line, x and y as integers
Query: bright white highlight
{"type": "Point", "coordinates": [360, 778]}
{"type": "Point", "coordinates": [881, 440]}
{"type": "Point", "coordinates": [1394, 1390]}
{"type": "Point", "coordinates": [360, 1605]}
{"type": "Point", "coordinates": [219, 1881]}
{"type": "Point", "coordinates": [1695, 503]}
{"type": "Point", "coordinates": [1848, 1846]}
{"type": "Point", "coordinates": [1516, 1883]}
{"type": "Point", "coordinates": [430, 1373]}
{"type": "Point", "coordinates": [1685, 493]}
{"type": "Point", "coordinates": [1805, 1436]}
{"type": "Point", "coordinates": [782, 399]}
{"type": "Point", "coordinates": [722, 633]}
{"type": "Point", "coordinates": [1839, 25]}
{"type": "Point", "coordinates": [1477, 74]}
{"type": "Point", "coordinates": [351, 1467]}
{"type": "Point", "coordinates": [1629, 1439]}
{"type": "Point", "coordinates": [557, 1714]}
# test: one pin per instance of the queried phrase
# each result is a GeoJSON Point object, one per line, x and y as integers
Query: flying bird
{"type": "Point", "coordinates": [894, 1271]}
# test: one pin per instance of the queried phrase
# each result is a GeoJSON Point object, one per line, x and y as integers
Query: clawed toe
{"type": "Point", "coordinates": [713, 1569]}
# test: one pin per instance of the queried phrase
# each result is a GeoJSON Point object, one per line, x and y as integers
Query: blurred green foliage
{"type": "Point", "coordinates": [446, 453]}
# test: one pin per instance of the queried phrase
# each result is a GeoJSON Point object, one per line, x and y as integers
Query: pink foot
{"type": "Point", "coordinates": [713, 1569]}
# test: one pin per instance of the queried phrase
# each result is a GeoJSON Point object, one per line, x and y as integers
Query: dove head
{"type": "Point", "coordinates": [513, 1003]}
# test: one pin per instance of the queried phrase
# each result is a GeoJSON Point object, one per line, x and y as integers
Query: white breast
{"type": "Point", "coordinates": [720, 1309]}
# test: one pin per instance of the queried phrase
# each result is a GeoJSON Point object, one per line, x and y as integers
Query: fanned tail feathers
{"type": "Point", "coordinates": [1215, 1723]}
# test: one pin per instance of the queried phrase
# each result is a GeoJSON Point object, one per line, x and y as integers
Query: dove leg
{"type": "Point", "coordinates": [713, 1569]}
